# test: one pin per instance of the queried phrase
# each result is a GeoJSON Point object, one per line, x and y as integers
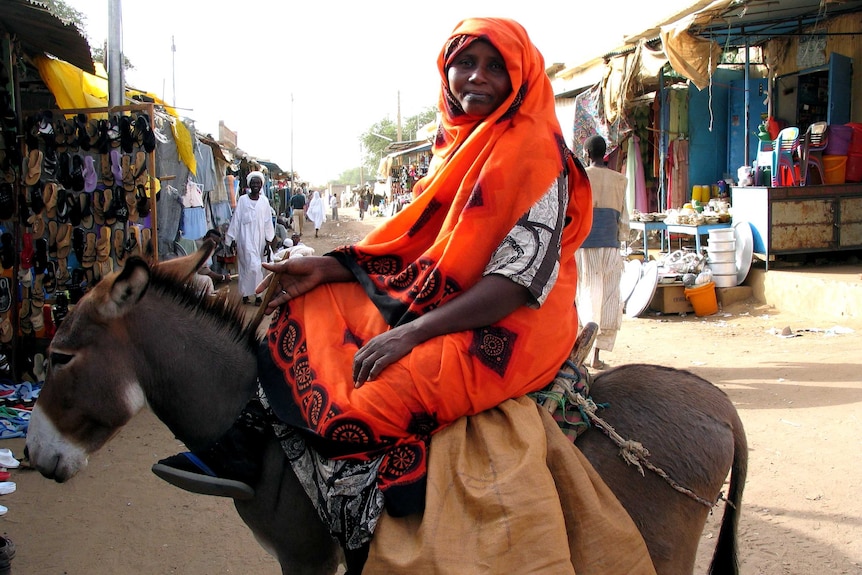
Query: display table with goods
{"type": "Point", "coordinates": [685, 280]}
{"type": "Point", "coordinates": [645, 227]}
{"type": "Point", "coordinates": [801, 219]}
{"type": "Point", "coordinates": [693, 219]}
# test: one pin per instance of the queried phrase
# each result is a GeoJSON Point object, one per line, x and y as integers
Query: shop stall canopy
{"type": "Point", "coordinates": [689, 39]}
{"type": "Point", "coordinates": [39, 31]}
{"type": "Point", "coordinates": [398, 150]}
{"type": "Point", "coordinates": [736, 24]}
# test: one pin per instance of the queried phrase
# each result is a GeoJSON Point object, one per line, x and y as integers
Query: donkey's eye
{"type": "Point", "coordinates": [58, 359]}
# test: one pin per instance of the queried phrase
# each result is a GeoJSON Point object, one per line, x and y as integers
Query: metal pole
{"type": "Point", "coordinates": [399, 116]}
{"type": "Point", "coordinates": [116, 82]}
{"type": "Point", "coordinates": [174, 69]}
{"type": "Point", "coordinates": [292, 175]}
{"type": "Point", "coordinates": [663, 145]}
{"type": "Point", "coordinates": [747, 105]}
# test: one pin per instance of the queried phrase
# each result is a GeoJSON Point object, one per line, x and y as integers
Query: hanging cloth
{"type": "Point", "coordinates": [636, 193]}
{"type": "Point", "coordinates": [194, 221]}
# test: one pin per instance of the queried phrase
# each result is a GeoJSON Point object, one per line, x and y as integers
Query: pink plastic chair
{"type": "Point", "coordinates": [785, 153]}
{"type": "Point", "coordinates": [814, 142]}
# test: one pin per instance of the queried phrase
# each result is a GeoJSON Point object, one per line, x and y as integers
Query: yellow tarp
{"type": "Point", "coordinates": [74, 88]}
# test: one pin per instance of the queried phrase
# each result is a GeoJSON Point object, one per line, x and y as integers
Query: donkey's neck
{"type": "Point", "coordinates": [197, 370]}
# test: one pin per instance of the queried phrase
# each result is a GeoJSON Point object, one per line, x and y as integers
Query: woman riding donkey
{"type": "Point", "coordinates": [460, 301]}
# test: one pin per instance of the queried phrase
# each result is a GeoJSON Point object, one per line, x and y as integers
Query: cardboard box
{"type": "Point", "coordinates": [670, 298]}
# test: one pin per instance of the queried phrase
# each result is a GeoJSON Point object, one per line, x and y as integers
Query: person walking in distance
{"type": "Point", "coordinates": [600, 263]}
{"type": "Point", "coordinates": [333, 205]}
{"type": "Point", "coordinates": [316, 212]}
{"type": "Point", "coordinates": [251, 230]}
{"type": "Point", "coordinates": [297, 205]}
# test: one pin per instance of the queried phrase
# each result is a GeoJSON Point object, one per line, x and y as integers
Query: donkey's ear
{"type": "Point", "coordinates": [185, 267]}
{"type": "Point", "coordinates": [128, 288]}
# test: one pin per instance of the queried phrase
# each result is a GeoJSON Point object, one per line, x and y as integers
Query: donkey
{"type": "Point", "coordinates": [192, 359]}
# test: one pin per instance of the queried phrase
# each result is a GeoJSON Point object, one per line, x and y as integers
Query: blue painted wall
{"type": "Point", "coordinates": [736, 119]}
{"type": "Point", "coordinates": [708, 150]}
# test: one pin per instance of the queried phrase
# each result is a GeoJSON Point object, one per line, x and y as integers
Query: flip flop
{"type": "Point", "coordinates": [7, 487]}
{"type": "Point", "coordinates": [6, 329]}
{"type": "Point", "coordinates": [64, 240]}
{"type": "Point", "coordinates": [64, 170]}
{"type": "Point", "coordinates": [118, 204]}
{"type": "Point", "coordinates": [77, 173]}
{"type": "Point", "coordinates": [5, 294]}
{"type": "Point", "coordinates": [18, 417]}
{"type": "Point", "coordinates": [90, 178]}
{"type": "Point", "coordinates": [9, 430]}
{"type": "Point", "coordinates": [89, 258]}
{"type": "Point", "coordinates": [49, 196]}
{"type": "Point", "coordinates": [116, 168]}
{"type": "Point", "coordinates": [87, 218]}
{"type": "Point", "coordinates": [33, 168]}
{"type": "Point", "coordinates": [127, 140]}
{"type": "Point", "coordinates": [29, 391]}
{"type": "Point", "coordinates": [105, 169]}
{"type": "Point", "coordinates": [98, 206]}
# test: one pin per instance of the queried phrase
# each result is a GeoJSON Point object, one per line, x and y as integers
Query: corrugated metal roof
{"type": "Point", "coordinates": [39, 31]}
{"type": "Point", "coordinates": [400, 148]}
{"type": "Point", "coordinates": [733, 22]}
{"type": "Point", "coordinates": [756, 21]}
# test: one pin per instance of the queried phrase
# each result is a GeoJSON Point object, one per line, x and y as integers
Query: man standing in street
{"type": "Point", "coordinates": [333, 205]}
{"type": "Point", "coordinates": [251, 230]}
{"type": "Point", "coordinates": [297, 205]}
{"type": "Point", "coordinates": [599, 261]}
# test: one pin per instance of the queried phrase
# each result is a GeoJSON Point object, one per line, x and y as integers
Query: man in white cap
{"type": "Point", "coordinates": [251, 230]}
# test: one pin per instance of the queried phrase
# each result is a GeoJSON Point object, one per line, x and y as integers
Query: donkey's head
{"type": "Point", "coordinates": [92, 385]}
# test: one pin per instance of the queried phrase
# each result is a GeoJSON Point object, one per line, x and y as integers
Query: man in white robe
{"type": "Point", "coordinates": [252, 230]}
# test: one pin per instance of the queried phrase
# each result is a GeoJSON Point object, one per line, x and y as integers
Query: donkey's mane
{"type": "Point", "coordinates": [227, 312]}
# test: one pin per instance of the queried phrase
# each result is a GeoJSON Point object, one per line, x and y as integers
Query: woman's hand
{"type": "Point", "coordinates": [382, 351]}
{"type": "Point", "coordinates": [299, 275]}
{"type": "Point", "coordinates": [490, 300]}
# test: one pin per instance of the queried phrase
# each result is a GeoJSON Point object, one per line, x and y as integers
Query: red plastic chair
{"type": "Point", "coordinates": [785, 152]}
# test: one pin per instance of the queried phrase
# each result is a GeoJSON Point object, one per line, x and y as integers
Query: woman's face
{"type": "Point", "coordinates": [478, 79]}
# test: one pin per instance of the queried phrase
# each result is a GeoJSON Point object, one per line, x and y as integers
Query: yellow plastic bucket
{"type": "Point", "coordinates": [703, 299]}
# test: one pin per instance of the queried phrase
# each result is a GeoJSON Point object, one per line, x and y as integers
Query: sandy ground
{"type": "Point", "coordinates": [799, 399]}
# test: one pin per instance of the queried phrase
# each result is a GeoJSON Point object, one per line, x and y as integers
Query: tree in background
{"type": "Point", "coordinates": [374, 146]}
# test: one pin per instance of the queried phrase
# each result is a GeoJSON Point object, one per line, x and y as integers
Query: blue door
{"type": "Point", "coordinates": [736, 122]}
{"type": "Point", "coordinates": [840, 76]}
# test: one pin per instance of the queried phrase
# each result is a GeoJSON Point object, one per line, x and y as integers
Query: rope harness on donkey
{"type": "Point", "coordinates": [568, 400]}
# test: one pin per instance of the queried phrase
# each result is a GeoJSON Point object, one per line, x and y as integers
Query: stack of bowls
{"type": "Point", "coordinates": [722, 257]}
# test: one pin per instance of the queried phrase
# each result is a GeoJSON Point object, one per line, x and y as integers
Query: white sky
{"type": "Point", "coordinates": [345, 62]}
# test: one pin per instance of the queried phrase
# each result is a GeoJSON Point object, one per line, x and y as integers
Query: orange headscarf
{"type": "Point", "coordinates": [486, 173]}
